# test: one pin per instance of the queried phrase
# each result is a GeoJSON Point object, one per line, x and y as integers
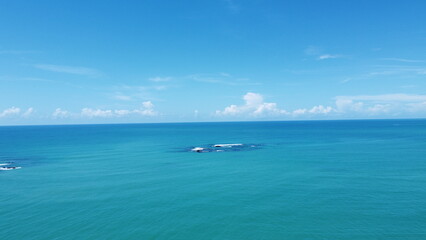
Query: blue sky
{"type": "Point", "coordinates": [65, 62]}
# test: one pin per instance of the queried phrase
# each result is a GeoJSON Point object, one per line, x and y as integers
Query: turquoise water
{"type": "Point", "coordinates": [303, 180]}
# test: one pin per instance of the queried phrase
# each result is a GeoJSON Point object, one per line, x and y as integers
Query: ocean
{"type": "Point", "coordinates": [360, 179]}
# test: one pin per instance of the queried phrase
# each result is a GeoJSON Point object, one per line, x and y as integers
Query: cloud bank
{"type": "Point", "coordinates": [16, 112]}
{"type": "Point", "coordinates": [255, 106]}
{"type": "Point", "coordinates": [147, 109]}
{"type": "Point", "coordinates": [392, 105]}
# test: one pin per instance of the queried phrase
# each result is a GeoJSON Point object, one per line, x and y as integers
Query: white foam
{"type": "Point", "coordinates": [4, 164]}
{"type": "Point", "coordinates": [197, 149]}
{"type": "Point", "coordinates": [9, 168]}
{"type": "Point", "coordinates": [228, 145]}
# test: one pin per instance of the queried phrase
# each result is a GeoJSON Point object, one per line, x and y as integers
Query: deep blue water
{"type": "Point", "coordinates": [303, 180]}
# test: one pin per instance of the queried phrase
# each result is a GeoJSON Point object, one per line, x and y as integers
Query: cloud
{"type": "Point", "coordinates": [147, 109]}
{"type": "Point", "coordinates": [148, 105]}
{"type": "Point", "coordinates": [379, 108]}
{"type": "Point", "coordinates": [10, 112]}
{"type": "Point", "coordinates": [14, 111]}
{"type": "Point", "coordinates": [122, 112]}
{"type": "Point", "coordinates": [254, 106]}
{"type": "Point", "coordinates": [59, 113]}
{"type": "Point", "coordinates": [349, 106]}
{"type": "Point", "coordinates": [28, 112]}
{"type": "Point", "coordinates": [328, 56]}
{"type": "Point", "coordinates": [320, 109]}
{"type": "Point", "coordinates": [320, 55]}
{"type": "Point", "coordinates": [69, 69]}
{"type": "Point", "coordinates": [88, 112]}
{"type": "Point", "coordinates": [346, 80]}
{"type": "Point", "coordinates": [160, 79]}
{"type": "Point", "coordinates": [344, 105]}
{"type": "Point", "coordinates": [398, 103]}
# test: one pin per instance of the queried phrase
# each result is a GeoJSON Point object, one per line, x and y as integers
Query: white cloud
{"type": "Point", "coordinates": [320, 109]}
{"type": "Point", "coordinates": [59, 113]}
{"type": "Point", "coordinates": [268, 108]}
{"type": "Point", "coordinates": [379, 108]}
{"type": "Point", "coordinates": [160, 79]}
{"type": "Point", "coordinates": [69, 69]}
{"type": "Point", "coordinates": [254, 105]}
{"type": "Point", "coordinates": [14, 111]}
{"type": "Point", "coordinates": [122, 112]}
{"type": "Point", "coordinates": [398, 103]}
{"type": "Point", "coordinates": [148, 105]}
{"type": "Point", "coordinates": [147, 109]}
{"type": "Point", "coordinates": [344, 105]}
{"type": "Point", "coordinates": [145, 112]}
{"type": "Point", "coordinates": [10, 112]}
{"type": "Point", "coordinates": [328, 56]}
{"type": "Point", "coordinates": [88, 112]}
{"type": "Point", "coordinates": [230, 110]}
{"type": "Point", "coordinates": [299, 111]}
{"type": "Point", "coordinates": [320, 55]}
{"type": "Point", "coordinates": [28, 112]}
{"type": "Point", "coordinates": [357, 105]}
{"type": "Point", "coordinates": [253, 99]}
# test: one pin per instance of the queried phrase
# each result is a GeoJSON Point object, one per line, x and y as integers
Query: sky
{"type": "Point", "coordinates": [78, 62]}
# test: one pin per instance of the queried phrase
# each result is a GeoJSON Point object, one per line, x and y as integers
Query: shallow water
{"type": "Point", "coordinates": [305, 180]}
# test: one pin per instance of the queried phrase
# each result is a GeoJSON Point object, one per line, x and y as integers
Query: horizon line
{"type": "Point", "coordinates": [236, 121]}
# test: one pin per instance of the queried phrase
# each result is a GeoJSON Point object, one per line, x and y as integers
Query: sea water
{"type": "Point", "coordinates": [362, 179]}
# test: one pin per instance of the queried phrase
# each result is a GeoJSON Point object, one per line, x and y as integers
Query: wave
{"type": "Point", "coordinates": [228, 145]}
{"type": "Point", "coordinates": [9, 168]}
